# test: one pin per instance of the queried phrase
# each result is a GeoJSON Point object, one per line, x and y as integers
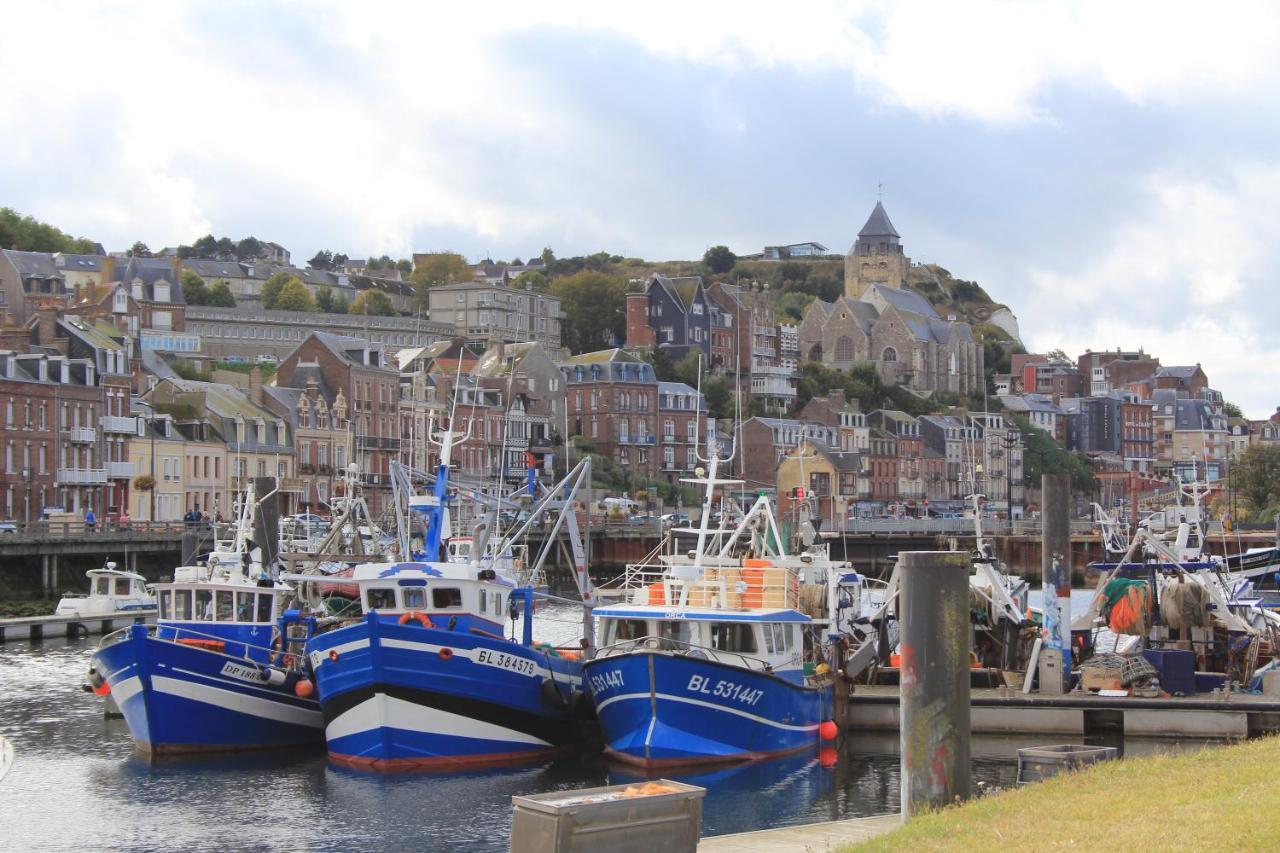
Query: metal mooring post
{"type": "Point", "coordinates": [933, 597]}
{"type": "Point", "coordinates": [1055, 566]}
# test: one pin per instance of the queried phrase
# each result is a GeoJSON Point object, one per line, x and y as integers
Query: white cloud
{"type": "Point", "coordinates": [1189, 278]}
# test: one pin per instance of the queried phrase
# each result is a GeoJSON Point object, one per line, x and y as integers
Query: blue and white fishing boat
{"type": "Point", "coordinates": [723, 653]}
{"type": "Point", "coordinates": [223, 668]}
{"type": "Point", "coordinates": [426, 679]}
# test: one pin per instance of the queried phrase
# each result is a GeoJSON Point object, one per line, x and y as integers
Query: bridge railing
{"type": "Point", "coordinates": [58, 529]}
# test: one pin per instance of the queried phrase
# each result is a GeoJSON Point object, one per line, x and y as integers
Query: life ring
{"type": "Point", "coordinates": [412, 616]}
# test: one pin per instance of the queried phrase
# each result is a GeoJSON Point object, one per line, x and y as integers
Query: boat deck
{"type": "Point", "coordinates": [876, 708]}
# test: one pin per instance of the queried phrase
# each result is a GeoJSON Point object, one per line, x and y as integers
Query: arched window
{"type": "Point", "coordinates": [890, 354]}
{"type": "Point", "coordinates": [815, 352]}
{"type": "Point", "coordinates": [844, 348]}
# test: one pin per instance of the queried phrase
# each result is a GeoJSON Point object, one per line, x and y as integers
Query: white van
{"type": "Point", "coordinates": [626, 506]}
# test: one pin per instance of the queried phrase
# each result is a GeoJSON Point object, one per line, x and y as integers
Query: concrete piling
{"type": "Point", "coordinates": [933, 600]}
{"type": "Point", "coordinates": [1055, 565]}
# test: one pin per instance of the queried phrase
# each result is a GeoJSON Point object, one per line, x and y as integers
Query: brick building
{"type": "Point", "coordinates": [612, 401]}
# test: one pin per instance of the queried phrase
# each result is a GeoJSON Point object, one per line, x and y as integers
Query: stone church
{"type": "Point", "coordinates": [876, 257]}
{"type": "Point", "coordinates": [882, 321]}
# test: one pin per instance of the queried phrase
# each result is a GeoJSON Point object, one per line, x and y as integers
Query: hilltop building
{"type": "Point", "coordinates": [876, 256]}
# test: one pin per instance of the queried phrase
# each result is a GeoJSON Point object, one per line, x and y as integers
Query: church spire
{"type": "Point", "coordinates": [878, 225]}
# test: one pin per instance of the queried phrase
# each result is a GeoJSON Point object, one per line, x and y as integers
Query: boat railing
{"type": "Point", "coordinates": [177, 633]}
{"type": "Point", "coordinates": [730, 586]}
{"type": "Point", "coordinates": [687, 649]}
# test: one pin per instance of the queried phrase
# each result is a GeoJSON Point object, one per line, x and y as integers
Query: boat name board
{"type": "Point", "coordinates": [725, 689]}
{"type": "Point", "coordinates": [501, 660]}
{"type": "Point", "coordinates": [244, 673]}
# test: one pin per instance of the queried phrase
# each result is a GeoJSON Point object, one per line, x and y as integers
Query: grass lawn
{"type": "Point", "coordinates": [1217, 798]}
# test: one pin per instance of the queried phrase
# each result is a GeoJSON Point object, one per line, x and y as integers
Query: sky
{"type": "Point", "coordinates": [1111, 171]}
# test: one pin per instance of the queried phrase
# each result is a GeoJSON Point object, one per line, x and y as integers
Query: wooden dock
{"type": "Point", "coordinates": [1241, 715]}
{"type": "Point", "coordinates": [809, 838]}
{"type": "Point", "coordinates": [43, 627]}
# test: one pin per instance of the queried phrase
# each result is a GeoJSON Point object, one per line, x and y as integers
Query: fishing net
{"type": "Point", "coordinates": [1184, 604]}
{"type": "Point", "coordinates": [1126, 605]}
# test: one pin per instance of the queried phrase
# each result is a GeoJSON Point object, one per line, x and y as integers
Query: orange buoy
{"type": "Point", "coordinates": [828, 730]}
{"type": "Point", "coordinates": [102, 689]}
{"type": "Point", "coordinates": [304, 688]}
{"type": "Point", "coordinates": [828, 757]}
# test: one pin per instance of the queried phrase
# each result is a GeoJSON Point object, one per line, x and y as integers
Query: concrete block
{"type": "Point", "coordinates": [1027, 720]}
{"type": "Point", "coordinates": [1172, 723]}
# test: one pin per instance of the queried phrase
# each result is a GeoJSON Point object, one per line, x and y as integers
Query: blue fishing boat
{"type": "Point", "coordinates": [427, 679]}
{"type": "Point", "coordinates": [223, 668]}
{"type": "Point", "coordinates": [722, 653]}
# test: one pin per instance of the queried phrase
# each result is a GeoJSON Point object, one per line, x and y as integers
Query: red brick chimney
{"type": "Point", "coordinates": [108, 270]}
{"type": "Point", "coordinates": [255, 385]}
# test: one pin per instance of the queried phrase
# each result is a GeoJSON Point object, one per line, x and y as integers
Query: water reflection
{"type": "Point", "coordinates": [77, 783]}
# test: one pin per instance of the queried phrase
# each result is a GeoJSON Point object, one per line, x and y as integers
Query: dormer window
{"type": "Point", "coordinates": [160, 291]}
{"type": "Point", "coordinates": [120, 304]}
{"type": "Point", "coordinates": [136, 288]}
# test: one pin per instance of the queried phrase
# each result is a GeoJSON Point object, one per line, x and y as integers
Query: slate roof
{"type": "Point", "coordinates": [150, 273]}
{"type": "Point", "coordinates": [85, 263]}
{"type": "Point", "coordinates": [1178, 371]}
{"type": "Point", "coordinates": [38, 264]}
{"type": "Point", "coordinates": [878, 224]}
{"type": "Point", "coordinates": [491, 366]}
{"type": "Point", "coordinates": [601, 357]}
{"type": "Point", "coordinates": [682, 288]}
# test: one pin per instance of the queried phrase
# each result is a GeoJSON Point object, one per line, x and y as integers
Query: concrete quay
{"type": "Point", "coordinates": [809, 838]}
{"type": "Point", "coordinates": [876, 708]}
{"type": "Point", "coordinates": [42, 627]}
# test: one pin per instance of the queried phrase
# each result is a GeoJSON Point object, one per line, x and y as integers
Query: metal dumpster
{"type": "Point", "coordinates": [613, 818]}
{"type": "Point", "coordinates": [1040, 762]}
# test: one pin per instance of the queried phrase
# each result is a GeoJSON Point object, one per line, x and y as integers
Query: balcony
{"type": "Point", "coordinates": [82, 476]}
{"type": "Point", "coordinates": [82, 435]}
{"type": "Point", "coordinates": [123, 425]}
{"type": "Point", "coordinates": [121, 470]}
{"type": "Point", "coordinates": [373, 442]}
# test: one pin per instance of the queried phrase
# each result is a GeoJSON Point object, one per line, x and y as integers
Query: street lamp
{"type": "Point", "coordinates": [1010, 441]}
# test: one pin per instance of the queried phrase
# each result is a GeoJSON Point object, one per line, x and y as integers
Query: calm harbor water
{"type": "Point", "coordinates": [77, 783]}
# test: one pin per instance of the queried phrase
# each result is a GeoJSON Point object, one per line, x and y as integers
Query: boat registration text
{"type": "Point", "coordinates": [724, 689]}
{"type": "Point", "coordinates": [502, 660]}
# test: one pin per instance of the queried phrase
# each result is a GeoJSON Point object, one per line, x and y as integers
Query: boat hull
{"type": "Point", "coordinates": [400, 697]}
{"type": "Point", "coordinates": [177, 698]}
{"type": "Point", "coordinates": [658, 709]}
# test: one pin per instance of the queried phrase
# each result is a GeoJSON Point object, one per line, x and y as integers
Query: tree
{"type": "Point", "coordinates": [595, 310]}
{"type": "Point", "coordinates": [272, 287]}
{"type": "Point", "coordinates": [1042, 455]}
{"type": "Point", "coordinates": [339, 260]}
{"type": "Point", "coordinates": [324, 299]}
{"type": "Point", "coordinates": [226, 250]}
{"type": "Point", "coordinates": [664, 368]}
{"type": "Point", "coordinates": [294, 296]}
{"type": "Point", "coordinates": [220, 295]}
{"type": "Point", "coordinates": [323, 260]}
{"type": "Point", "coordinates": [719, 260]}
{"type": "Point", "coordinates": [1231, 410]}
{"type": "Point", "coordinates": [1256, 475]}
{"type": "Point", "coordinates": [548, 257]}
{"type": "Point", "coordinates": [405, 266]}
{"type": "Point", "coordinates": [793, 304]}
{"type": "Point", "coordinates": [193, 286]}
{"type": "Point", "coordinates": [249, 248]}
{"type": "Point", "coordinates": [139, 250]}
{"type": "Point", "coordinates": [377, 303]}
{"type": "Point", "coordinates": [340, 305]}
{"type": "Point", "coordinates": [1059, 355]}
{"type": "Point", "coordinates": [205, 247]}
{"type": "Point", "coordinates": [28, 234]}
{"type": "Point", "coordinates": [532, 279]}
{"type": "Point", "coordinates": [440, 268]}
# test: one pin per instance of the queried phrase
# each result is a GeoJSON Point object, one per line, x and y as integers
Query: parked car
{"type": "Point", "coordinates": [8, 528]}
{"type": "Point", "coordinates": [644, 518]}
{"type": "Point", "coordinates": [675, 519]}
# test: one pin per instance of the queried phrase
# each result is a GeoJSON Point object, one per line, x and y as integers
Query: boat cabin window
{"type": "Point", "coordinates": [103, 586]}
{"type": "Point", "coordinates": [679, 630]}
{"type": "Point", "coordinates": [122, 586]}
{"type": "Point", "coordinates": [382, 599]}
{"type": "Point", "coordinates": [244, 607]}
{"type": "Point", "coordinates": [446, 597]}
{"type": "Point", "coordinates": [166, 604]}
{"type": "Point", "coordinates": [265, 602]}
{"type": "Point", "coordinates": [778, 638]}
{"type": "Point", "coordinates": [204, 605]}
{"type": "Point", "coordinates": [497, 604]}
{"type": "Point", "coordinates": [415, 597]}
{"type": "Point", "coordinates": [625, 629]}
{"type": "Point", "coordinates": [733, 637]}
{"type": "Point", "coordinates": [223, 604]}
{"type": "Point", "coordinates": [182, 604]}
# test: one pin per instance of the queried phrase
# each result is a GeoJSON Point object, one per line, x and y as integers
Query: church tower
{"type": "Point", "coordinates": [876, 258]}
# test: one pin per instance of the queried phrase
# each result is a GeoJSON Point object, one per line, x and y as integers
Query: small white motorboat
{"type": "Point", "coordinates": [111, 590]}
